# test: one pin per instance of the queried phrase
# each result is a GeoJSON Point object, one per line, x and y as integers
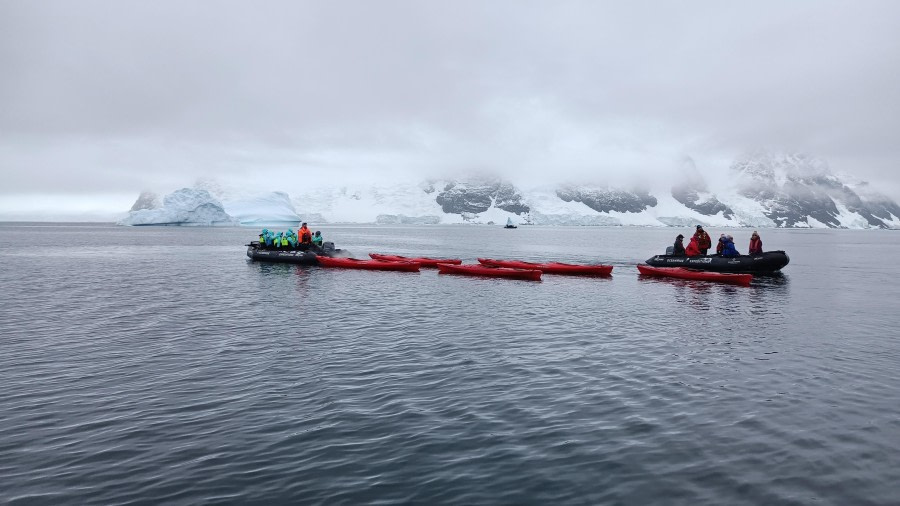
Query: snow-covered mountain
{"type": "Point", "coordinates": [765, 190]}
{"type": "Point", "coordinates": [797, 190]}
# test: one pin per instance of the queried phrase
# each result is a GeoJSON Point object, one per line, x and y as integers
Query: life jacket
{"type": "Point", "coordinates": [317, 240]}
{"type": "Point", "coordinates": [755, 246]}
{"type": "Point", "coordinates": [305, 235]}
{"type": "Point", "coordinates": [703, 240]}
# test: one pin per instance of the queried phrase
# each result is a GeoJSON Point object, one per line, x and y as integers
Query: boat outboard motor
{"type": "Point", "coordinates": [328, 246]}
{"type": "Point", "coordinates": [670, 250]}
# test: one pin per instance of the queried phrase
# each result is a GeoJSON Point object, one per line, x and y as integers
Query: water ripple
{"type": "Point", "coordinates": [166, 367]}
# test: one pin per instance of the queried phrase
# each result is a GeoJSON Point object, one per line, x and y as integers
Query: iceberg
{"type": "Point", "coordinates": [187, 206]}
{"type": "Point", "coordinates": [264, 208]}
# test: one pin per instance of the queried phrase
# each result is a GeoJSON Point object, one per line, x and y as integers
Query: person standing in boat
{"type": "Point", "coordinates": [703, 240]}
{"type": "Point", "coordinates": [678, 248]}
{"type": "Point", "coordinates": [304, 234]}
{"type": "Point", "coordinates": [729, 250]}
{"type": "Point", "coordinates": [755, 244]}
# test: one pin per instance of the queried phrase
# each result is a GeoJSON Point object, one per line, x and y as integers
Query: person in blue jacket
{"type": "Point", "coordinates": [291, 238]}
{"type": "Point", "coordinates": [728, 250]}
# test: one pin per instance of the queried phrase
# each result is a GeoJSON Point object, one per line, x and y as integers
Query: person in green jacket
{"type": "Point", "coordinates": [317, 238]}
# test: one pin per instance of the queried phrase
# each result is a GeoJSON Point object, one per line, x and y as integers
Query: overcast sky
{"type": "Point", "coordinates": [102, 99]}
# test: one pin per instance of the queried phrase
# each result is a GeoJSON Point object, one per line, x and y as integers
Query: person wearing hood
{"type": "Point", "coordinates": [317, 239]}
{"type": "Point", "coordinates": [755, 244]}
{"type": "Point", "coordinates": [720, 245]}
{"type": "Point", "coordinates": [678, 248]}
{"type": "Point", "coordinates": [270, 236]}
{"type": "Point", "coordinates": [693, 248]}
{"type": "Point", "coordinates": [729, 250]}
{"type": "Point", "coordinates": [703, 240]}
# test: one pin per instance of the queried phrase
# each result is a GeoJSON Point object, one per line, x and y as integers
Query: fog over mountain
{"type": "Point", "coordinates": [766, 190]}
{"type": "Point", "coordinates": [100, 101]}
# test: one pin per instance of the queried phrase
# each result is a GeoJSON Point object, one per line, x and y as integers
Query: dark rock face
{"type": "Point", "coordinates": [474, 198]}
{"type": "Point", "coordinates": [606, 200]}
{"type": "Point", "coordinates": [509, 199]}
{"type": "Point", "coordinates": [691, 199]}
{"type": "Point", "coordinates": [793, 188]}
{"type": "Point", "coordinates": [882, 208]}
{"type": "Point", "coordinates": [146, 200]}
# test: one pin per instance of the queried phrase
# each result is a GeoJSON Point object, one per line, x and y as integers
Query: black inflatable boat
{"type": "Point", "coordinates": [304, 255]}
{"type": "Point", "coordinates": [763, 263]}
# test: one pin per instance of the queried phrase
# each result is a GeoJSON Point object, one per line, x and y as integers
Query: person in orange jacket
{"type": "Point", "coordinates": [304, 234]}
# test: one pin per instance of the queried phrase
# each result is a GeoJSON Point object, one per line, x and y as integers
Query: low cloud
{"type": "Point", "coordinates": [114, 98]}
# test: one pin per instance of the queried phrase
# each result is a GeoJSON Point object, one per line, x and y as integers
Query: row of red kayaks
{"type": "Point", "coordinates": [517, 269]}
{"type": "Point", "coordinates": [486, 266]}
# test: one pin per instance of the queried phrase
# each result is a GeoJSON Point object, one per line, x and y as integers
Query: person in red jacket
{"type": "Point", "coordinates": [703, 240]}
{"type": "Point", "coordinates": [721, 245]}
{"type": "Point", "coordinates": [693, 248]}
{"type": "Point", "coordinates": [755, 244]}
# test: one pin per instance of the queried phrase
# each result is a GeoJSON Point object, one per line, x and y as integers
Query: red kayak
{"type": "Point", "coordinates": [423, 261]}
{"type": "Point", "coordinates": [374, 265]}
{"type": "Point", "coordinates": [682, 273]}
{"type": "Point", "coordinates": [494, 272]}
{"type": "Point", "coordinates": [551, 267]}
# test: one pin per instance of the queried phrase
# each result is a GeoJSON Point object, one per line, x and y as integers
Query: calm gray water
{"type": "Point", "coordinates": [161, 365]}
